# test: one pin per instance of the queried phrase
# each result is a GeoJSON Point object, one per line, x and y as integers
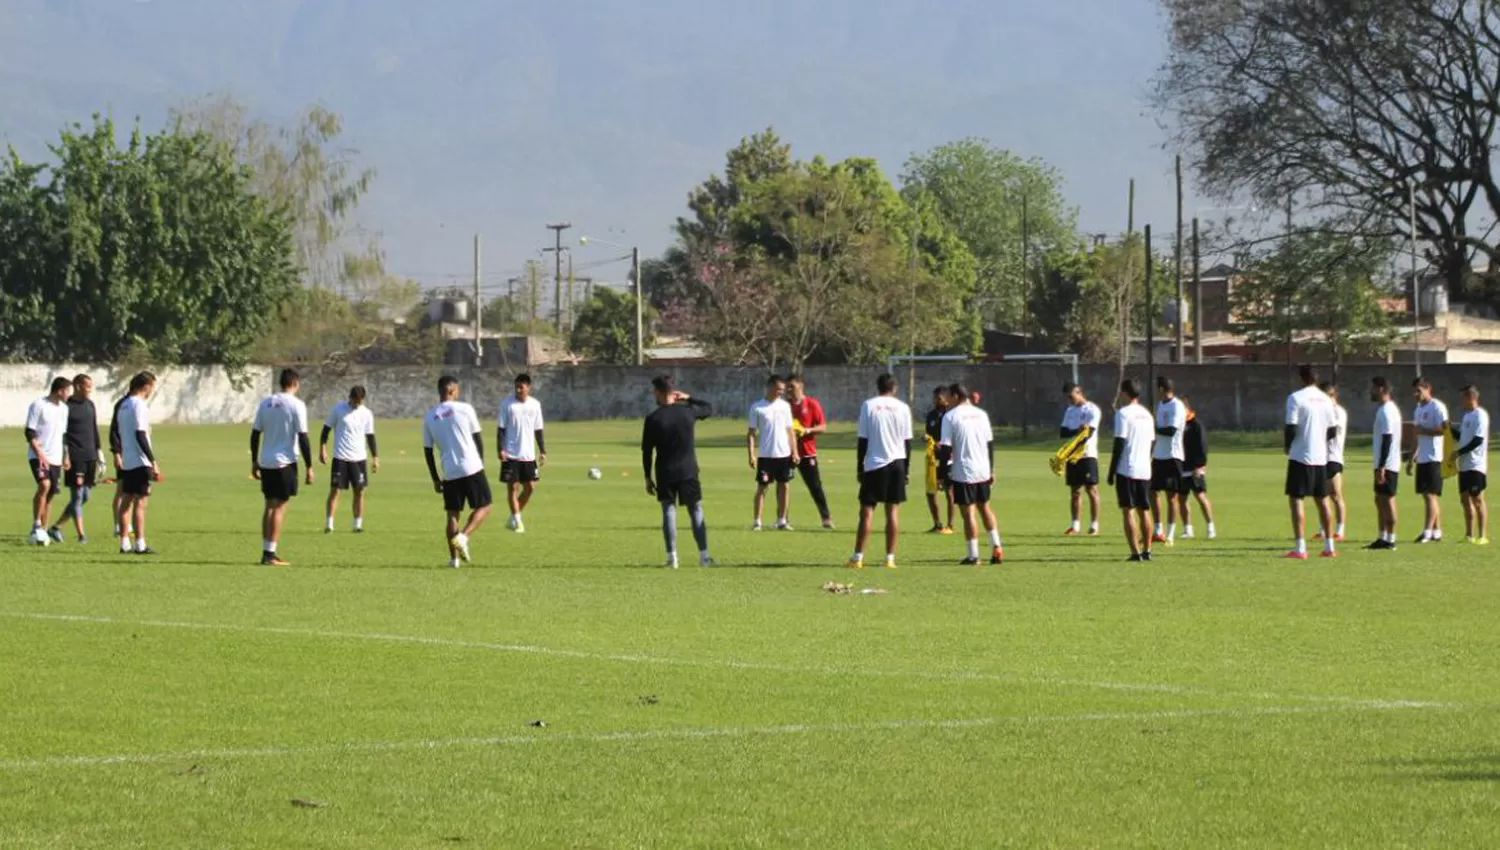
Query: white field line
{"type": "Point", "coordinates": [530, 649]}
{"type": "Point", "coordinates": [541, 736]}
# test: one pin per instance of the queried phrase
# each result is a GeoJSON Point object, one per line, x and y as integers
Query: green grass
{"type": "Point", "coordinates": [1217, 697]}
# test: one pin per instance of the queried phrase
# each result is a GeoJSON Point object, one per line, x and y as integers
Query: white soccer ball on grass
{"type": "Point", "coordinates": [39, 537]}
{"type": "Point", "coordinates": [595, 473]}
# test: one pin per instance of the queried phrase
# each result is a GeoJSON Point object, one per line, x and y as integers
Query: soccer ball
{"type": "Point", "coordinates": [595, 473]}
{"type": "Point", "coordinates": [39, 537]}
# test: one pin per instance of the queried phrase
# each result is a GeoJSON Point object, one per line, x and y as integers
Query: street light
{"type": "Point", "coordinates": [1198, 280]}
{"type": "Point", "coordinates": [635, 270]}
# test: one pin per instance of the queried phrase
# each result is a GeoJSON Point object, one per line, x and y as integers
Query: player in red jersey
{"type": "Point", "coordinates": [808, 417]}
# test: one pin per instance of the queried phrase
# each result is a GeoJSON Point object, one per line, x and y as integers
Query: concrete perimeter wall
{"type": "Point", "coordinates": [187, 394]}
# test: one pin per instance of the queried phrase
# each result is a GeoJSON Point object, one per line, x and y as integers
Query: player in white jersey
{"type": "Point", "coordinates": [1309, 428]}
{"type": "Point", "coordinates": [1473, 436]}
{"type": "Point", "coordinates": [46, 425]}
{"type": "Point", "coordinates": [966, 450]}
{"type": "Point", "coordinates": [1336, 461]}
{"type": "Point", "coordinates": [1130, 468]}
{"type": "Point", "coordinates": [1167, 459]}
{"type": "Point", "coordinates": [1387, 444]}
{"type": "Point", "coordinates": [523, 449]}
{"type": "Point", "coordinates": [883, 455]}
{"type": "Point", "coordinates": [138, 466]}
{"type": "Point", "coordinates": [277, 437]}
{"type": "Point", "coordinates": [355, 456]}
{"type": "Point", "coordinates": [451, 429]}
{"type": "Point", "coordinates": [771, 448]}
{"type": "Point", "coordinates": [1082, 475]}
{"type": "Point", "coordinates": [1431, 420]}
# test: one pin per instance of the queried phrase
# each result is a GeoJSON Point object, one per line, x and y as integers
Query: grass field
{"type": "Point", "coordinates": [1217, 697]}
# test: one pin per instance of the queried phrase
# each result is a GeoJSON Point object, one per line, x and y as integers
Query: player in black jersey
{"type": "Point", "coordinates": [81, 441]}
{"type": "Point", "coordinates": [673, 478]}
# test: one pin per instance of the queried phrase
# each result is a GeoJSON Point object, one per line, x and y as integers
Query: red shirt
{"type": "Point", "coordinates": [810, 414]}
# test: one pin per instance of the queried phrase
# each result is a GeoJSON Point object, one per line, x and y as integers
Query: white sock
{"type": "Point", "coordinates": [1171, 531]}
{"type": "Point", "coordinates": [995, 537]}
{"type": "Point", "coordinates": [1437, 534]}
{"type": "Point", "coordinates": [1302, 545]}
{"type": "Point", "coordinates": [1340, 530]}
{"type": "Point", "coordinates": [1094, 526]}
{"type": "Point", "coordinates": [1158, 530]}
{"type": "Point", "coordinates": [890, 557]}
{"type": "Point", "coordinates": [783, 521]}
{"type": "Point", "coordinates": [974, 548]}
{"type": "Point", "coordinates": [117, 529]}
{"type": "Point", "coordinates": [35, 524]}
{"type": "Point", "coordinates": [140, 544]}
{"type": "Point", "coordinates": [1187, 530]}
{"type": "Point", "coordinates": [515, 519]}
{"type": "Point", "coordinates": [329, 525]}
{"type": "Point", "coordinates": [1210, 529]}
{"type": "Point", "coordinates": [1328, 544]}
{"type": "Point", "coordinates": [359, 522]}
{"type": "Point", "coordinates": [270, 546]}
{"type": "Point", "coordinates": [1076, 525]}
{"type": "Point", "coordinates": [857, 556]}
{"type": "Point", "coordinates": [124, 543]}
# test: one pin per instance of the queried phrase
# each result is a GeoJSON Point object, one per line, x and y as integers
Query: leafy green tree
{"type": "Point", "coordinates": [605, 330]}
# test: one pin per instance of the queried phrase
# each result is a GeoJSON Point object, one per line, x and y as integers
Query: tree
{"type": "Point", "coordinates": [605, 330]}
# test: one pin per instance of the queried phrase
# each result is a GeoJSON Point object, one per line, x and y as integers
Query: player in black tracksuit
{"type": "Point", "coordinates": [1194, 473]}
{"type": "Point", "coordinates": [669, 456]}
{"type": "Point", "coordinates": [81, 442]}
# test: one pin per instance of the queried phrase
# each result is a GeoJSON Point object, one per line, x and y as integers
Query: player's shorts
{"type": "Point", "coordinates": [1472, 483]}
{"type": "Point", "coordinates": [279, 485]}
{"type": "Point", "coordinates": [1430, 478]}
{"type": "Point", "coordinates": [53, 473]}
{"type": "Point", "coordinates": [519, 471]}
{"type": "Point", "coordinates": [473, 491]}
{"type": "Point", "coordinates": [349, 473]}
{"type": "Point", "coordinates": [777, 469]}
{"type": "Point", "coordinates": [687, 492]}
{"type": "Point", "coordinates": [1083, 473]}
{"type": "Point", "coordinates": [971, 494]}
{"type": "Point", "coordinates": [883, 486]}
{"type": "Point", "coordinates": [136, 482]}
{"type": "Point", "coordinates": [1391, 485]}
{"type": "Point", "coordinates": [1334, 470]}
{"type": "Point", "coordinates": [1166, 475]}
{"type": "Point", "coordinates": [1193, 481]}
{"type": "Point", "coordinates": [83, 475]}
{"type": "Point", "coordinates": [1133, 493]}
{"type": "Point", "coordinates": [1303, 481]}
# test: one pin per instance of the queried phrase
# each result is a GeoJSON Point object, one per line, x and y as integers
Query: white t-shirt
{"type": "Point", "coordinates": [134, 416]}
{"type": "Point", "coordinates": [279, 419]}
{"type": "Point", "coordinates": [1336, 445]}
{"type": "Point", "coordinates": [1310, 410]}
{"type": "Point", "coordinates": [1079, 415]}
{"type": "Point", "coordinates": [520, 420]}
{"type": "Point", "coordinates": [886, 422]}
{"type": "Point", "coordinates": [1171, 413]}
{"type": "Point", "coordinates": [350, 426]}
{"type": "Point", "coordinates": [772, 423]}
{"type": "Point", "coordinates": [1388, 423]}
{"type": "Point", "coordinates": [1134, 424]}
{"type": "Point", "coordinates": [449, 427]}
{"type": "Point", "coordinates": [1433, 414]}
{"type": "Point", "coordinates": [966, 429]}
{"type": "Point", "coordinates": [49, 420]}
{"type": "Point", "coordinates": [1476, 423]}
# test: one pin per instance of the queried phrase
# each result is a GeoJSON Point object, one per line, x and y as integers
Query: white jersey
{"type": "Point", "coordinates": [449, 429]}
{"type": "Point", "coordinates": [1134, 425]}
{"type": "Point", "coordinates": [1310, 411]}
{"type": "Point", "coordinates": [1079, 415]}
{"type": "Point", "coordinates": [280, 418]}
{"type": "Point", "coordinates": [1171, 413]}
{"type": "Point", "coordinates": [1341, 424]}
{"type": "Point", "coordinates": [520, 420]}
{"type": "Point", "coordinates": [1388, 424]}
{"type": "Point", "coordinates": [1433, 414]}
{"type": "Point", "coordinates": [350, 426]}
{"type": "Point", "coordinates": [134, 417]}
{"type": "Point", "coordinates": [966, 430]}
{"type": "Point", "coordinates": [1476, 423]}
{"type": "Point", "coordinates": [49, 420]}
{"type": "Point", "coordinates": [885, 421]}
{"type": "Point", "coordinates": [772, 423]}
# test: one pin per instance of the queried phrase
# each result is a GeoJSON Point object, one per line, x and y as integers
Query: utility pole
{"type": "Point", "coordinates": [640, 309]}
{"type": "Point", "coordinates": [1150, 319]}
{"type": "Point", "coordinates": [557, 250]}
{"type": "Point", "coordinates": [1197, 300]}
{"type": "Point", "coordinates": [570, 292]}
{"type": "Point", "coordinates": [1124, 305]}
{"type": "Point", "coordinates": [1179, 350]}
{"type": "Point", "coordinates": [1416, 284]}
{"type": "Point", "coordinates": [1025, 275]}
{"type": "Point", "coordinates": [478, 309]}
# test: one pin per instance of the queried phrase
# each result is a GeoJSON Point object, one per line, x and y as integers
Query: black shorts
{"type": "Point", "coordinates": [349, 473]}
{"type": "Point", "coordinates": [279, 485]}
{"type": "Point", "coordinates": [83, 475]}
{"type": "Point", "coordinates": [473, 491]}
{"type": "Point", "coordinates": [1430, 478]}
{"type": "Point", "coordinates": [687, 492]}
{"type": "Point", "coordinates": [777, 469]}
{"type": "Point", "coordinates": [1133, 493]}
{"type": "Point", "coordinates": [1391, 485]}
{"type": "Point", "coordinates": [970, 494]}
{"type": "Point", "coordinates": [883, 486]}
{"type": "Point", "coordinates": [136, 482]}
{"type": "Point", "coordinates": [1334, 470]}
{"type": "Point", "coordinates": [1194, 482]}
{"type": "Point", "coordinates": [1084, 473]}
{"type": "Point", "coordinates": [1472, 483]}
{"type": "Point", "coordinates": [53, 473]}
{"type": "Point", "coordinates": [1166, 475]}
{"type": "Point", "coordinates": [518, 471]}
{"type": "Point", "coordinates": [1303, 481]}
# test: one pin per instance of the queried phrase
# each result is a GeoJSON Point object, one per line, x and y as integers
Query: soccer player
{"type": "Point", "coordinates": [138, 466]}
{"type": "Point", "coordinates": [1130, 468]}
{"type": "Point", "coordinates": [1387, 441]}
{"type": "Point", "coordinates": [1195, 474]}
{"type": "Point", "coordinates": [279, 433]}
{"type": "Point", "coordinates": [809, 413]}
{"type": "Point", "coordinates": [883, 455]}
{"type": "Point", "coordinates": [1167, 458]}
{"type": "Point", "coordinates": [452, 427]}
{"type": "Point", "coordinates": [46, 423]}
{"type": "Point", "coordinates": [1431, 417]}
{"type": "Point", "coordinates": [523, 449]}
{"type": "Point", "coordinates": [82, 448]}
{"type": "Point", "coordinates": [1309, 428]}
{"type": "Point", "coordinates": [668, 439]}
{"type": "Point", "coordinates": [936, 486]}
{"type": "Point", "coordinates": [1336, 461]}
{"type": "Point", "coordinates": [1473, 435]}
{"type": "Point", "coordinates": [116, 448]}
{"type": "Point", "coordinates": [355, 455]}
{"type": "Point", "coordinates": [771, 427]}
{"type": "Point", "coordinates": [1083, 475]}
{"type": "Point", "coordinates": [967, 451]}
